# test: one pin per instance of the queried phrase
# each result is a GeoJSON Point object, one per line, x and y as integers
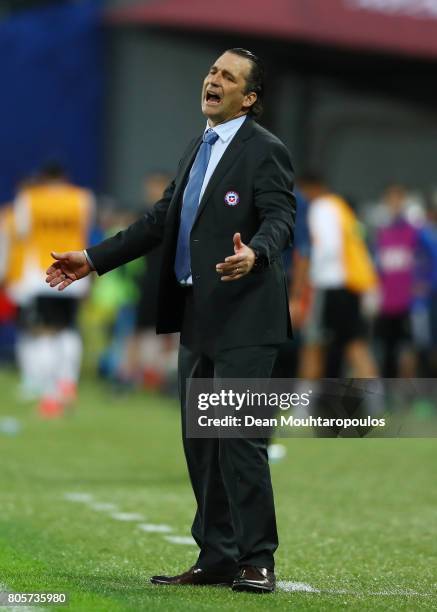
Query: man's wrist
{"type": "Point", "coordinates": [89, 260]}
{"type": "Point", "coordinates": [260, 260]}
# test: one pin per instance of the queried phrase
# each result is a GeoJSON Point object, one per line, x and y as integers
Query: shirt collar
{"type": "Point", "coordinates": [227, 130]}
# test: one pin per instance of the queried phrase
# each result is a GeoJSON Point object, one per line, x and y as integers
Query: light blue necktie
{"type": "Point", "coordinates": [190, 204]}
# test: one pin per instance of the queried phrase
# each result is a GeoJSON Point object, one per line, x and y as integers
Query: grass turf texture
{"type": "Point", "coordinates": [357, 516]}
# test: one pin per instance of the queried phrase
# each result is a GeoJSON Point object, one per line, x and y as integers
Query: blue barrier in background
{"type": "Point", "coordinates": [51, 92]}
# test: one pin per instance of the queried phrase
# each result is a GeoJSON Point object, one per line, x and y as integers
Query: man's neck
{"type": "Point", "coordinates": [213, 124]}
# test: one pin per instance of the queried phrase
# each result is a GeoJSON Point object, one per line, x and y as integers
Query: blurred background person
{"type": "Point", "coordinates": [336, 333]}
{"type": "Point", "coordinates": [46, 214]}
{"type": "Point", "coordinates": [341, 273]}
{"type": "Point", "coordinates": [13, 256]}
{"type": "Point", "coordinates": [396, 254]}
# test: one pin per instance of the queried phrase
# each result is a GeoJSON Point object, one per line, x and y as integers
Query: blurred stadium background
{"type": "Point", "coordinates": [110, 92]}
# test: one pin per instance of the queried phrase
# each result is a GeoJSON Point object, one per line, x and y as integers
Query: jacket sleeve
{"type": "Point", "coordinates": [275, 202]}
{"type": "Point", "coordinates": [136, 240]}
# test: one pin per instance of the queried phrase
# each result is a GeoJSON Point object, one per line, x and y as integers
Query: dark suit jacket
{"type": "Point", "coordinates": [252, 310]}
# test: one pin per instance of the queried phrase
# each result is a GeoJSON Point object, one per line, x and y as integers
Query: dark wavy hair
{"type": "Point", "coordinates": [255, 80]}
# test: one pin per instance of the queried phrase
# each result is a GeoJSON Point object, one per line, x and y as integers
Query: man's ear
{"type": "Point", "coordinates": [249, 100]}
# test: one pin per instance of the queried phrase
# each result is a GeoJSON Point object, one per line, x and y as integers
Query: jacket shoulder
{"type": "Point", "coordinates": [269, 145]}
{"type": "Point", "coordinates": [268, 137]}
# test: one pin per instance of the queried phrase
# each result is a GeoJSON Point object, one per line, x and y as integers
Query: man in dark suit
{"type": "Point", "coordinates": [233, 187]}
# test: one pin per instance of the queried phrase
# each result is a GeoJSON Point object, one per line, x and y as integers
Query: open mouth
{"type": "Point", "coordinates": [212, 97]}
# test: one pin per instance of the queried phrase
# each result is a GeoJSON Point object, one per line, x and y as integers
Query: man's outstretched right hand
{"type": "Point", "coordinates": [67, 268]}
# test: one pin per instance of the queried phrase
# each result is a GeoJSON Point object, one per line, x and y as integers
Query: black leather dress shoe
{"type": "Point", "coordinates": [195, 576]}
{"type": "Point", "coordinates": [255, 580]}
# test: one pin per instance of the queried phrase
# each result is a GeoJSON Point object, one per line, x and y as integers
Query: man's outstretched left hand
{"type": "Point", "coordinates": [238, 265]}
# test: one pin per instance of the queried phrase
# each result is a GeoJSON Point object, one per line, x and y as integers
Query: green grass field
{"type": "Point", "coordinates": [357, 518]}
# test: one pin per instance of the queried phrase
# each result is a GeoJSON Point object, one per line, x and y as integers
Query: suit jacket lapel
{"type": "Point", "coordinates": [226, 162]}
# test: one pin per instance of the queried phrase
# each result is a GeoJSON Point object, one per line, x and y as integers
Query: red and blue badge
{"type": "Point", "coordinates": [232, 198]}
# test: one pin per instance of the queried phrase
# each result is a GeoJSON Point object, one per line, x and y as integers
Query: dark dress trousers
{"type": "Point", "coordinates": [228, 329]}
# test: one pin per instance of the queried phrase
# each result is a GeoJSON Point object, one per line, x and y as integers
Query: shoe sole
{"type": "Point", "coordinates": [201, 584]}
{"type": "Point", "coordinates": [251, 588]}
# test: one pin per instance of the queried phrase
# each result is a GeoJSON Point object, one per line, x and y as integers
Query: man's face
{"type": "Point", "coordinates": [223, 91]}
{"type": "Point", "coordinates": [395, 198]}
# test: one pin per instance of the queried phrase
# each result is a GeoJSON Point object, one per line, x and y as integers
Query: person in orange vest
{"type": "Point", "coordinates": [342, 274]}
{"type": "Point", "coordinates": [47, 215]}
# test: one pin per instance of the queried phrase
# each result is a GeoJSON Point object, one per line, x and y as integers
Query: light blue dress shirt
{"type": "Point", "coordinates": [226, 132]}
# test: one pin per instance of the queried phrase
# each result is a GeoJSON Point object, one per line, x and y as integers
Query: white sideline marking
{"type": "Point", "coordinates": [79, 497]}
{"type": "Point", "coordinates": [187, 540]}
{"type": "Point", "coordinates": [302, 587]}
{"type": "Point", "coordinates": [285, 585]}
{"type": "Point", "coordinates": [151, 528]}
{"type": "Point", "coordinates": [103, 507]}
{"type": "Point", "coordinates": [127, 516]}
